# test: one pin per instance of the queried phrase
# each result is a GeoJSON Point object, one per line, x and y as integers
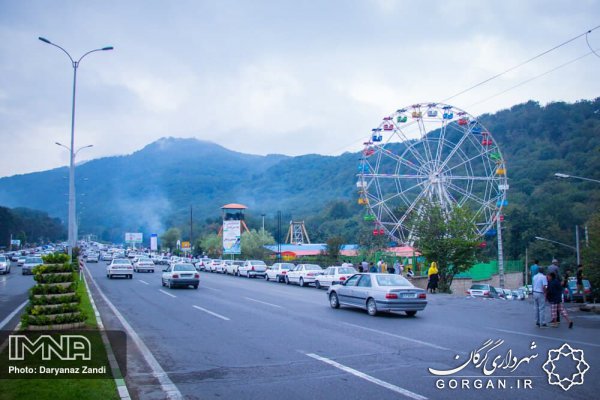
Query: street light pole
{"type": "Point", "coordinates": [71, 217]}
{"type": "Point", "coordinates": [576, 247]}
{"type": "Point", "coordinates": [566, 176]}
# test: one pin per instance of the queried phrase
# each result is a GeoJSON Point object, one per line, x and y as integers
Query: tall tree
{"type": "Point", "coordinates": [446, 237]}
{"type": "Point", "coordinates": [591, 255]}
{"type": "Point", "coordinates": [168, 240]}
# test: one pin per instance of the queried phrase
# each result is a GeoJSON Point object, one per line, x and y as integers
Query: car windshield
{"type": "Point", "coordinates": [392, 280]}
{"type": "Point", "coordinates": [33, 260]}
{"type": "Point", "coordinates": [346, 270]}
{"type": "Point", "coordinates": [312, 267]}
{"type": "Point", "coordinates": [184, 267]}
{"type": "Point", "coordinates": [479, 287]}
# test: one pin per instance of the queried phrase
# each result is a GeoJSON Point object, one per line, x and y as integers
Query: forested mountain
{"type": "Point", "coordinates": [29, 226]}
{"type": "Point", "coordinates": [153, 189]}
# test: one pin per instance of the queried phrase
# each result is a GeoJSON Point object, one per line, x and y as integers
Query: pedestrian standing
{"type": "Point", "coordinates": [540, 284]}
{"type": "Point", "coordinates": [434, 277]}
{"type": "Point", "coordinates": [365, 265]}
{"type": "Point", "coordinates": [554, 268]}
{"type": "Point", "coordinates": [398, 267]}
{"type": "Point", "coordinates": [580, 287]}
{"type": "Point", "coordinates": [554, 296]}
{"type": "Point", "coordinates": [533, 270]}
{"type": "Point", "coordinates": [372, 268]}
{"type": "Point", "coordinates": [379, 265]}
{"type": "Point", "coordinates": [409, 272]}
{"type": "Point", "coordinates": [383, 267]}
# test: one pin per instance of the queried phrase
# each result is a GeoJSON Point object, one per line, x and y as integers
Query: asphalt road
{"type": "Point", "coordinates": [239, 338]}
{"type": "Point", "coordinates": [13, 295]}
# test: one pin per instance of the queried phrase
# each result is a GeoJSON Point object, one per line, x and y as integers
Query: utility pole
{"type": "Point", "coordinates": [191, 230]}
{"type": "Point", "coordinates": [577, 244]}
{"type": "Point", "coordinates": [500, 251]}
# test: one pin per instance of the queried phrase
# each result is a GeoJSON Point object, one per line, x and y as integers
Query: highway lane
{"type": "Point", "coordinates": [246, 338]}
{"type": "Point", "coordinates": [13, 293]}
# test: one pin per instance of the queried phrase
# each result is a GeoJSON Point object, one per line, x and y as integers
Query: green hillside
{"type": "Point", "coordinates": [153, 189]}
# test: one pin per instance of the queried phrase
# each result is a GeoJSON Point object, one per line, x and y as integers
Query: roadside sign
{"type": "Point", "coordinates": [186, 245]}
{"type": "Point", "coordinates": [131, 237]}
{"type": "Point", "coordinates": [154, 242]}
{"type": "Point", "coordinates": [15, 242]}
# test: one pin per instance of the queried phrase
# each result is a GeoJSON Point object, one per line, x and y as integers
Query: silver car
{"type": "Point", "coordinates": [181, 274]}
{"type": "Point", "coordinates": [378, 292]}
{"type": "Point", "coordinates": [30, 263]}
{"type": "Point", "coordinates": [4, 265]}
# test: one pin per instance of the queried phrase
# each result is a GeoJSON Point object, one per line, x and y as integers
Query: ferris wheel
{"type": "Point", "coordinates": [434, 152]}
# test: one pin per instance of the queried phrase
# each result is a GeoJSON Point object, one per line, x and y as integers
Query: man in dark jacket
{"type": "Point", "coordinates": [554, 297]}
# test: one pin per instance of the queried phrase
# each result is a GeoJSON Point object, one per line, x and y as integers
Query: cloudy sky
{"type": "Point", "coordinates": [279, 76]}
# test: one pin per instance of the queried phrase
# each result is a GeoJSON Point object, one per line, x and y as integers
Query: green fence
{"type": "Point", "coordinates": [483, 271]}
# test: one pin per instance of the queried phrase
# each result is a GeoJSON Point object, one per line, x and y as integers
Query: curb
{"type": "Point", "coordinates": [116, 371]}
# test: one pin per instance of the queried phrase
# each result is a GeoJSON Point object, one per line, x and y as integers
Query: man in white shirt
{"type": "Point", "coordinates": [540, 283]}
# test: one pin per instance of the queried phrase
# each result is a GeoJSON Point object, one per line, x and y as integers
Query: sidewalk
{"type": "Point", "coordinates": [595, 308]}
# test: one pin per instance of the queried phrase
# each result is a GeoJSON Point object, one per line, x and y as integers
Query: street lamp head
{"type": "Point", "coordinates": [44, 40]}
{"type": "Point", "coordinates": [560, 175]}
{"type": "Point", "coordinates": [108, 48]}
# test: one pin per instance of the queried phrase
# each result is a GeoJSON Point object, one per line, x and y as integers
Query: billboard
{"type": "Point", "coordinates": [131, 237]}
{"type": "Point", "coordinates": [15, 242]}
{"type": "Point", "coordinates": [154, 242]}
{"type": "Point", "coordinates": [186, 246]}
{"type": "Point", "coordinates": [232, 239]}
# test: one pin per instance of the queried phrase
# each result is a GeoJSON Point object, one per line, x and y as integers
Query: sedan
{"type": "Point", "coordinates": [120, 267]}
{"type": "Point", "coordinates": [184, 274]}
{"type": "Point", "coordinates": [21, 261]}
{"type": "Point", "coordinates": [303, 274]}
{"type": "Point", "coordinates": [278, 271]}
{"type": "Point", "coordinates": [144, 264]}
{"type": "Point", "coordinates": [4, 265]}
{"type": "Point", "coordinates": [378, 292]}
{"type": "Point", "coordinates": [30, 263]}
{"type": "Point", "coordinates": [482, 290]}
{"type": "Point", "coordinates": [334, 275]}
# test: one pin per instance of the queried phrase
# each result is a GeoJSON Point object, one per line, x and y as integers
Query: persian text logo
{"type": "Point", "coordinates": [67, 348]}
{"type": "Point", "coordinates": [550, 367]}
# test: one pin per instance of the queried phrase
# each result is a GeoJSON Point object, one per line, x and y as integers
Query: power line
{"type": "Point", "coordinates": [588, 43]}
{"type": "Point", "coordinates": [521, 64]}
{"type": "Point", "coordinates": [533, 78]}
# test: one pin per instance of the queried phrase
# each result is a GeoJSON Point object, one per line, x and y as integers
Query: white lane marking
{"type": "Point", "coordinates": [547, 337]}
{"type": "Point", "coordinates": [158, 372]}
{"type": "Point", "coordinates": [211, 313]}
{"type": "Point", "coordinates": [144, 282]}
{"type": "Point", "coordinates": [210, 288]}
{"type": "Point", "coordinates": [168, 294]}
{"type": "Point", "coordinates": [369, 378]}
{"type": "Point", "coordinates": [409, 339]}
{"type": "Point", "coordinates": [263, 302]}
{"type": "Point", "coordinates": [12, 314]}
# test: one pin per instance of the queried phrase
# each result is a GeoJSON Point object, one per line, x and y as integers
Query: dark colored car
{"type": "Point", "coordinates": [570, 293]}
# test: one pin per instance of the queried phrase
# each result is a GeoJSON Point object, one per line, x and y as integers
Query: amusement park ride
{"type": "Point", "coordinates": [436, 152]}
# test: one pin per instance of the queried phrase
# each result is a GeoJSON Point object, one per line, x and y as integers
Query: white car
{"type": "Point", "coordinates": [180, 274]}
{"type": "Point", "coordinates": [213, 265]}
{"type": "Point", "coordinates": [202, 264]}
{"type": "Point", "coordinates": [278, 271]}
{"type": "Point", "coordinates": [107, 257]}
{"type": "Point", "coordinates": [303, 274]}
{"type": "Point", "coordinates": [30, 263]}
{"type": "Point", "coordinates": [21, 261]}
{"type": "Point", "coordinates": [221, 267]}
{"type": "Point", "coordinates": [252, 269]}
{"type": "Point", "coordinates": [333, 276]}
{"type": "Point", "coordinates": [120, 267]}
{"type": "Point", "coordinates": [143, 264]}
{"type": "Point", "coordinates": [232, 266]}
{"type": "Point", "coordinates": [93, 257]}
{"type": "Point", "coordinates": [4, 265]}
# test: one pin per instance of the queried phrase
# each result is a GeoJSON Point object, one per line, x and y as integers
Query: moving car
{"type": "Point", "coordinates": [252, 269]}
{"type": "Point", "coordinates": [21, 261]}
{"type": "Point", "coordinates": [119, 267]}
{"type": "Point", "coordinates": [378, 292]}
{"type": "Point", "coordinates": [278, 271]}
{"type": "Point", "coordinates": [30, 263]}
{"type": "Point", "coordinates": [93, 257]}
{"type": "Point", "coordinates": [303, 274]}
{"type": "Point", "coordinates": [143, 264]}
{"type": "Point", "coordinates": [482, 290]}
{"type": "Point", "coordinates": [4, 265]}
{"type": "Point", "coordinates": [334, 275]}
{"type": "Point", "coordinates": [180, 274]}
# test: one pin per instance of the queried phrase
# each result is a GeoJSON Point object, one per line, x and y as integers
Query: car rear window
{"type": "Point", "coordinates": [2, 258]}
{"type": "Point", "coordinates": [392, 280]}
{"type": "Point", "coordinates": [33, 260]}
{"type": "Point", "coordinates": [312, 267]}
{"type": "Point", "coordinates": [184, 267]}
{"type": "Point", "coordinates": [121, 262]}
{"type": "Point", "coordinates": [257, 262]}
{"type": "Point", "coordinates": [479, 287]}
{"type": "Point", "coordinates": [346, 270]}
